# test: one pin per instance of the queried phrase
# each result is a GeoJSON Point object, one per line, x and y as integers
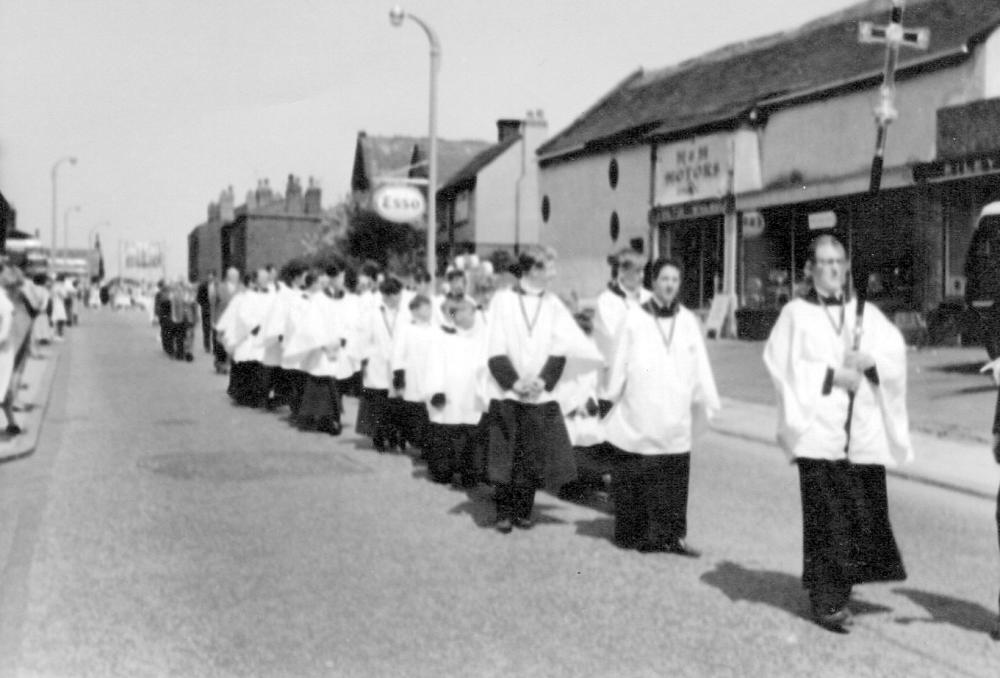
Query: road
{"type": "Point", "coordinates": [158, 531]}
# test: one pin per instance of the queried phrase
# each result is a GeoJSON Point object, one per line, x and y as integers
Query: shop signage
{"type": "Point", "coordinates": [819, 221]}
{"type": "Point", "coordinates": [691, 210]}
{"type": "Point", "coordinates": [399, 203]}
{"type": "Point", "coordinates": [694, 169]}
{"type": "Point", "coordinates": [753, 225]}
{"type": "Point", "coordinates": [707, 167]}
{"type": "Point", "coordinates": [971, 166]}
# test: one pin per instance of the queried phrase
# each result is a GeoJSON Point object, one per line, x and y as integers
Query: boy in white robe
{"type": "Point", "coordinates": [623, 293]}
{"type": "Point", "coordinates": [316, 344]}
{"type": "Point", "coordinates": [284, 380]}
{"type": "Point", "coordinates": [456, 365]}
{"type": "Point", "coordinates": [247, 382]}
{"type": "Point", "coordinates": [379, 327]}
{"type": "Point", "coordinates": [661, 380]}
{"type": "Point", "coordinates": [410, 349]}
{"type": "Point", "coordinates": [847, 538]}
{"type": "Point", "coordinates": [533, 343]}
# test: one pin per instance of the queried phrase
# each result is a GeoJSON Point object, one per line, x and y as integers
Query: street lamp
{"type": "Point", "coordinates": [55, 205]}
{"type": "Point", "coordinates": [396, 17]}
{"type": "Point", "coordinates": [74, 208]}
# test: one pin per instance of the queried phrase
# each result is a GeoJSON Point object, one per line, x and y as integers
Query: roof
{"type": "Point", "coordinates": [379, 155]}
{"type": "Point", "coordinates": [723, 85]}
{"type": "Point", "coordinates": [465, 177]}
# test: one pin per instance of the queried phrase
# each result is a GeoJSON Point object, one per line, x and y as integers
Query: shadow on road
{"type": "Point", "coordinates": [777, 589]}
{"type": "Point", "coordinates": [600, 528]}
{"type": "Point", "coordinates": [947, 610]}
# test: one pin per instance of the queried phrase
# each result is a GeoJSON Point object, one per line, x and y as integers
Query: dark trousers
{"type": "Point", "coordinates": [166, 334]}
{"type": "Point", "coordinates": [650, 495]}
{"type": "Point", "coordinates": [412, 422]}
{"type": "Point", "coordinates": [451, 449]}
{"type": "Point", "coordinates": [219, 351]}
{"type": "Point", "coordinates": [206, 331]}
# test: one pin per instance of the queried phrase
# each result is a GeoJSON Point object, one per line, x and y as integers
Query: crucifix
{"type": "Point", "coordinates": [893, 36]}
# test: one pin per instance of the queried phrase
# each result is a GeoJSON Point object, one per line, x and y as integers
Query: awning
{"type": "Point", "coordinates": [823, 189]}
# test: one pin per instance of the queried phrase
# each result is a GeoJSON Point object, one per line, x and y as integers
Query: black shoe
{"type": "Point", "coordinates": [677, 547]}
{"type": "Point", "coordinates": [189, 358]}
{"type": "Point", "coordinates": [503, 525]}
{"type": "Point", "coordinates": [379, 444]}
{"type": "Point", "coordinates": [835, 620]}
{"type": "Point", "coordinates": [995, 633]}
{"type": "Point", "coordinates": [523, 523]}
{"type": "Point", "coordinates": [14, 430]}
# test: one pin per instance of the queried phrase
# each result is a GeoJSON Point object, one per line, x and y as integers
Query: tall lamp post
{"type": "Point", "coordinates": [74, 208]}
{"type": "Point", "coordinates": [396, 17]}
{"type": "Point", "coordinates": [55, 202]}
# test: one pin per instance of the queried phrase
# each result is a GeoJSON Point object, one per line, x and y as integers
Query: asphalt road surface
{"type": "Point", "coordinates": [159, 531]}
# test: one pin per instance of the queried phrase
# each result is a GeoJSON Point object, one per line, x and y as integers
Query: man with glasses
{"type": "Point", "coordinates": [842, 419]}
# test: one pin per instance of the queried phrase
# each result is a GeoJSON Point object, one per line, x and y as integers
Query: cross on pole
{"type": "Point", "coordinates": [894, 36]}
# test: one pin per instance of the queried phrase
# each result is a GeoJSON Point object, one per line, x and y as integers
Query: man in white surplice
{"type": "Point", "coordinates": [841, 450]}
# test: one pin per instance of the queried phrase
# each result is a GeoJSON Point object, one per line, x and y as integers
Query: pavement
{"type": "Point", "coordinates": [159, 531]}
{"type": "Point", "coordinates": [32, 403]}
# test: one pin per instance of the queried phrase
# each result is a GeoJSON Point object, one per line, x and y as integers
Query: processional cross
{"type": "Point", "coordinates": [893, 36]}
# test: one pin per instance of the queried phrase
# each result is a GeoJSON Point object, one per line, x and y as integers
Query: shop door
{"type": "Point", "coordinates": [697, 244]}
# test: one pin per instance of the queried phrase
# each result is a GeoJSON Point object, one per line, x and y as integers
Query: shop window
{"type": "Point", "coordinates": [615, 227]}
{"type": "Point", "coordinates": [613, 173]}
{"type": "Point", "coordinates": [546, 209]}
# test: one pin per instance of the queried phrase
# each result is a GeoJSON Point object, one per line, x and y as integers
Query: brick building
{"type": "Point", "coordinates": [268, 228]}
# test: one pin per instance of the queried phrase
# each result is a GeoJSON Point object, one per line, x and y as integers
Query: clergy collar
{"type": "Point", "coordinates": [653, 308]}
{"type": "Point", "coordinates": [449, 330]}
{"type": "Point", "coordinates": [814, 297]}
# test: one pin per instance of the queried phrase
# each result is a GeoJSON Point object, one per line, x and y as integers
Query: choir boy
{"type": "Point", "coordinates": [532, 341]}
{"type": "Point", "coordinates": [661, 382]}
{"type": "Point", "coordinates": [411, 345]}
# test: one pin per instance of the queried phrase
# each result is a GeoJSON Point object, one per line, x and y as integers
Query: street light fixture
{"type": "Point", "coordinates": [55, 203]}
{"type": "Point", "coordinates": [396, 18]}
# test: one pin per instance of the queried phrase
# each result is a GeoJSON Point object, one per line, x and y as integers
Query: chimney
{"type": "Point", "coordinates": [293, 194]}
{"type": "Point", "coordinates": [507, 128]}
{"type": "Point", "coordinates": [313, 198]}
{"type": "Point", "coordinates": [536, 129]}
{"type": "Point", "coordinates": [227, 205]}
{"type": "Point", "coordinates": [213, 212]}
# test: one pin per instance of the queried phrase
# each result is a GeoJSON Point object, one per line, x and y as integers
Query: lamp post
{"type": "Point", "coordinates": [74, 208]}
{"type": "Point", "coordinates": [396, 17]}
{"type": "Point", "coordinates": [55, 203]}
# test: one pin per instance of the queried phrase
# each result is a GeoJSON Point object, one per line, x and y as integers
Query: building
{"type": "Point", "coordinates": [491, 202]}
{"type": "Point", "coordinates": [269, 228]}
{"type": "Point", "coordinates": [8, 221]}
{"type": "Point", "coordinates": [734, 160]}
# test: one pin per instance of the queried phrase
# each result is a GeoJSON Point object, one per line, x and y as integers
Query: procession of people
{"type": "Point", "coordinates": [493, 380]}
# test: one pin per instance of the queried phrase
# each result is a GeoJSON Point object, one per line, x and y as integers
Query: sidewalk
{"type": "Point", "coordinates": [951, 412]}
{"type": "Point", "coordinates": [33, 401]}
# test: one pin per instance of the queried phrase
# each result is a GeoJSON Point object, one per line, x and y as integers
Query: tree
{"type": "Point", "coordinates": [397, 247]}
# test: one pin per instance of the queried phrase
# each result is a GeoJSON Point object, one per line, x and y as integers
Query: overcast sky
{"type": "Point", "coordinates": [166, 102]}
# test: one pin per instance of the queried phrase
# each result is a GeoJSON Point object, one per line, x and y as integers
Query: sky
{"type": "Point", "coordinates": [168, 102]}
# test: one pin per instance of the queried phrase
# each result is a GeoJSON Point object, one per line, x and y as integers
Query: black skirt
{"type": "Point", "coordinates": [847, 538]}
{"type": "Point", "coordinates": [529, 445]}
{"type": "Point", "coordinates": [320, 404]}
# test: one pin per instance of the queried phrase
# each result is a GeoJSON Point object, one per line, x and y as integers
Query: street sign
{"type": "Point", "coordinates": [819, 221]}
{"type": "Point", "coordinates": [399, 203]}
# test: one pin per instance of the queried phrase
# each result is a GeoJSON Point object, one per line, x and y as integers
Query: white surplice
{"type": "Point", "coordinates": [530, 328]}
{"type": "Point", "coordinates": [613, 305]}
{"type": "Point", "coordinates": [808, 340]}
{"type": "Point", "coordinates": [663, 384]}
{"type": "Point", "coordinates": [410, 348]}
{"type": "Point", "coordinates": [456, 367]}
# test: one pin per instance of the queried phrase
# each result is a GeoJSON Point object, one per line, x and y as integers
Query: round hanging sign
{"type": "Point", "coordinates": [399, 203]}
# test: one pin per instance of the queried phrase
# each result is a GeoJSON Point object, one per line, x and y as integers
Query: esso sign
{"type": "Point", "coordinates": [401, 204]}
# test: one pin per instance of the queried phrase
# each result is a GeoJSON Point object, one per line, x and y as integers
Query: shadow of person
{"type": "Point", "coordinates": [777, 589]}
{"type": "Point", "coordinates": [599, 528]}
{"type": "Point", "coordinates": [947, 610]}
